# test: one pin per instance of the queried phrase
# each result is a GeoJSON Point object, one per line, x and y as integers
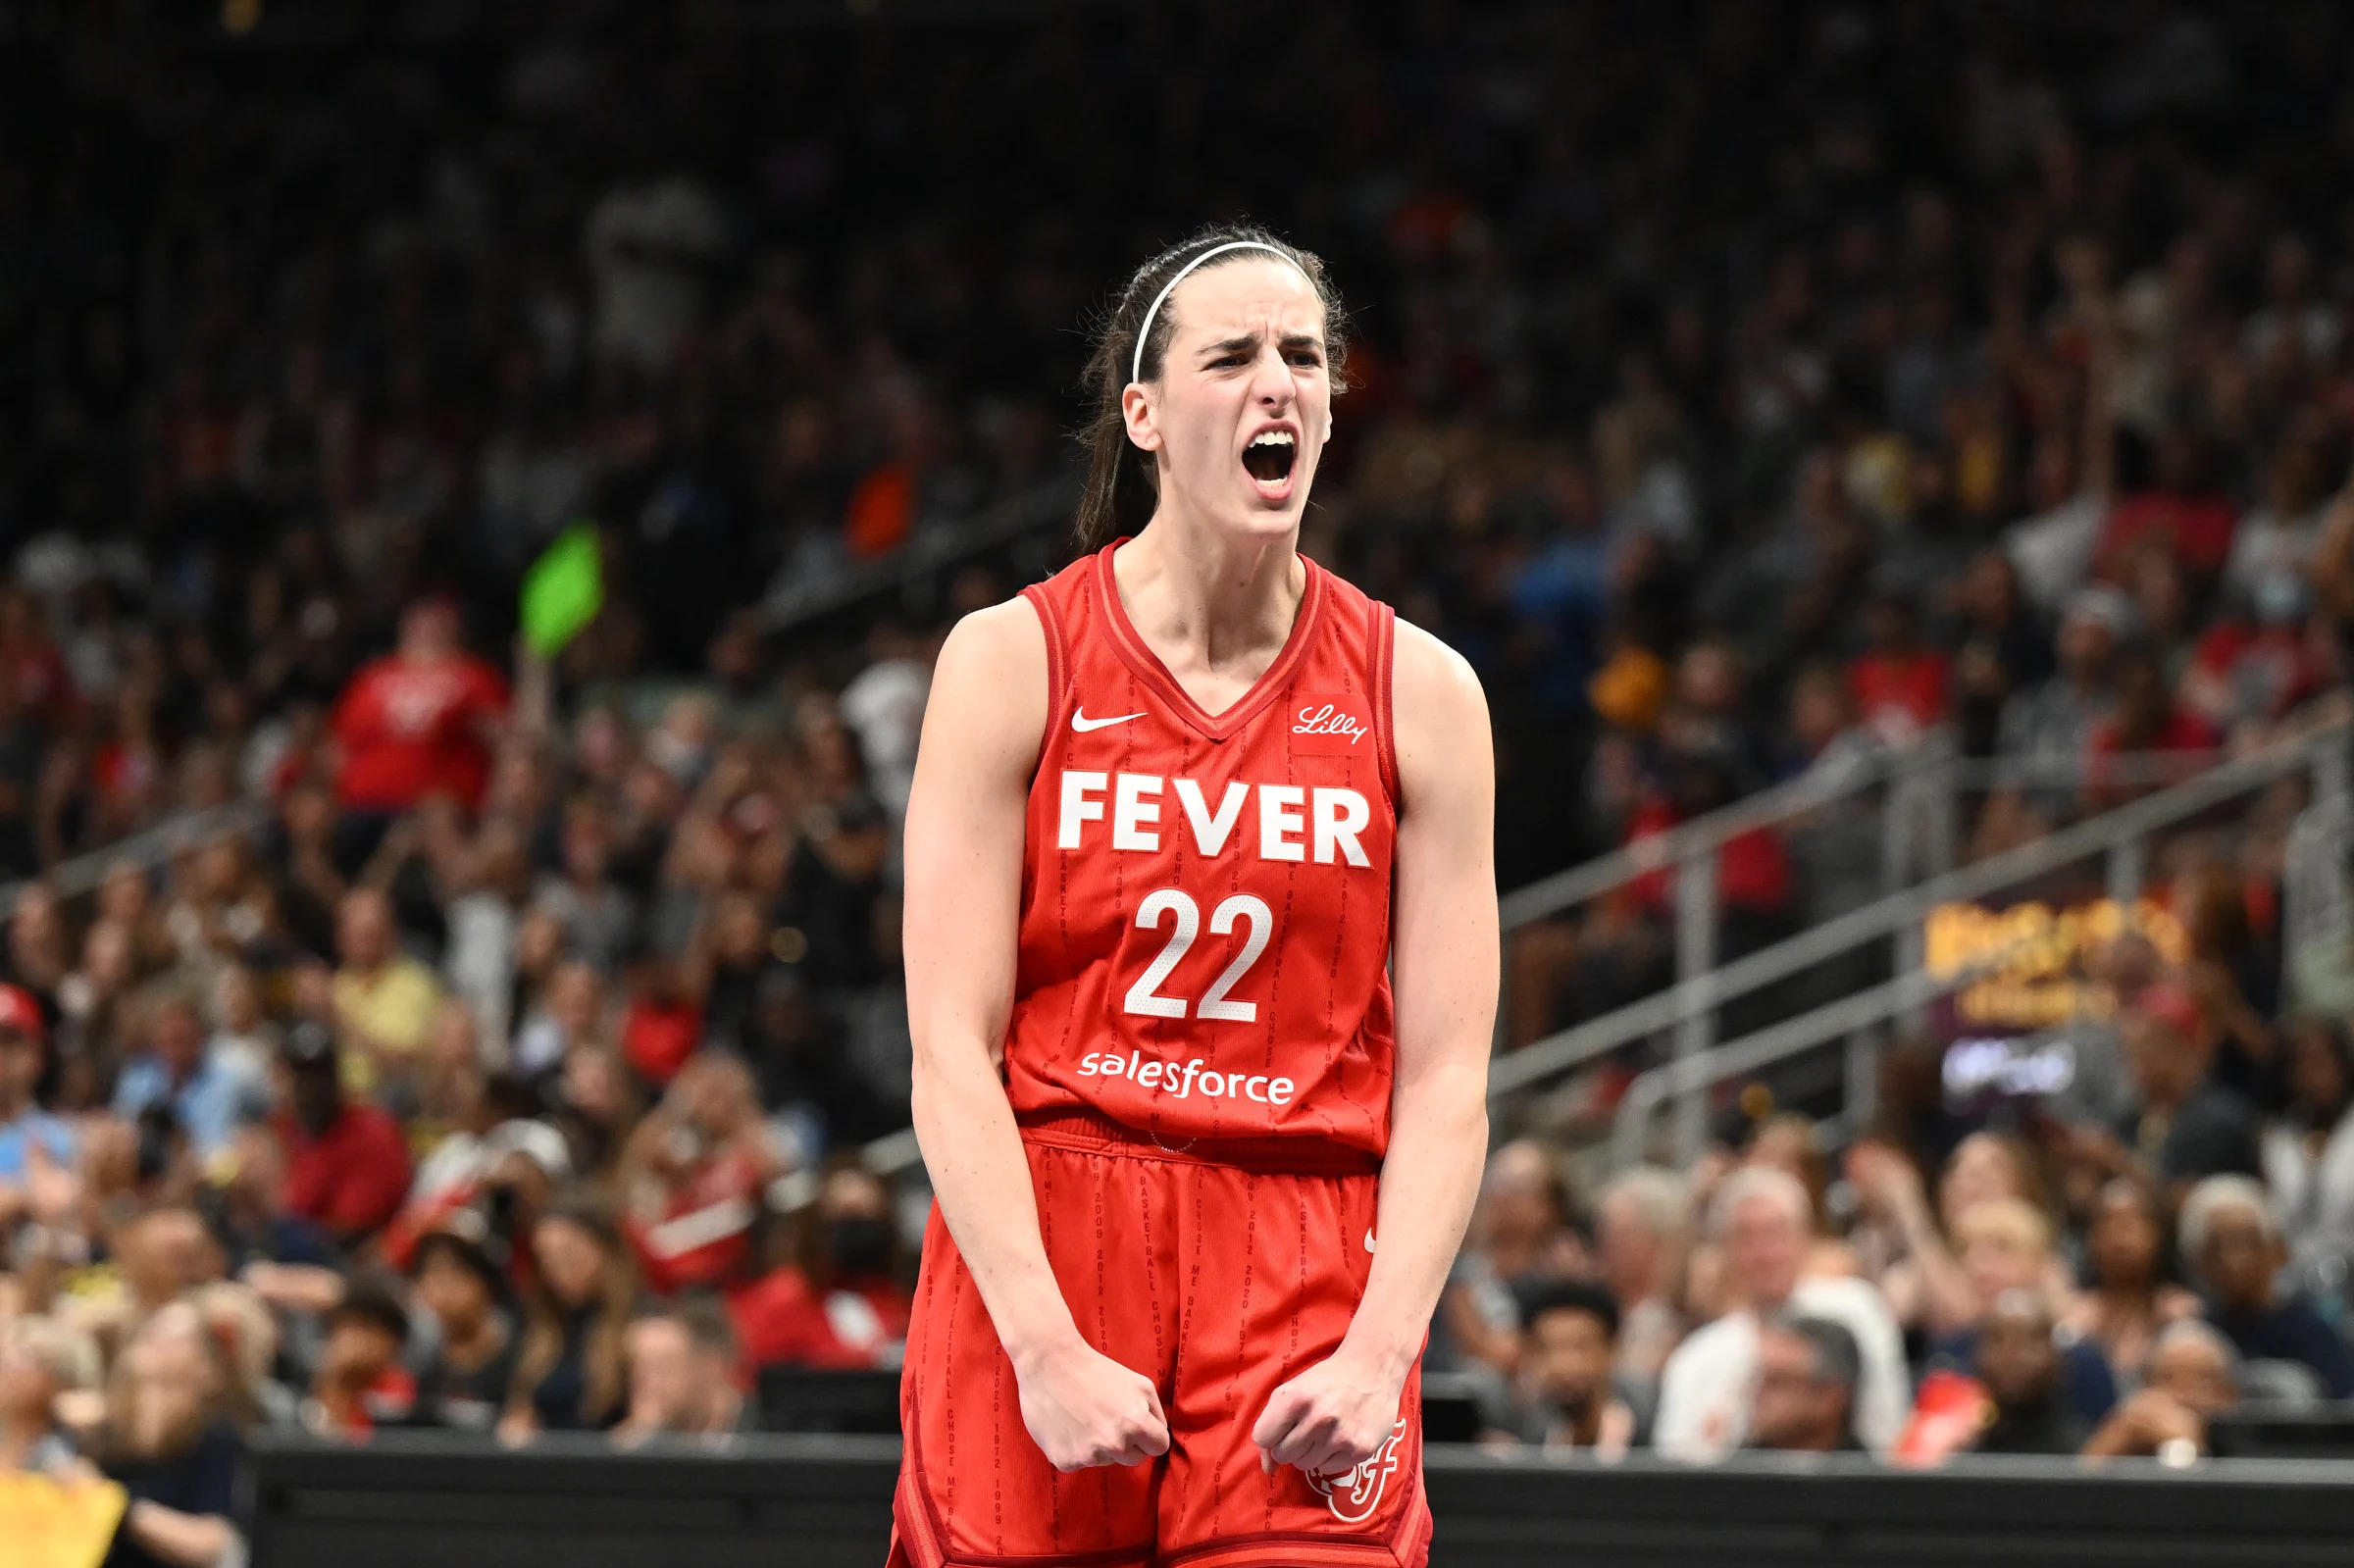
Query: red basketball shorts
{"type": "Point", "coordinates": [1218, 1283]}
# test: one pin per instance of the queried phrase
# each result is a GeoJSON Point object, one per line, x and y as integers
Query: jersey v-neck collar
{"type": "Point", "coordinates": [1147, 664]}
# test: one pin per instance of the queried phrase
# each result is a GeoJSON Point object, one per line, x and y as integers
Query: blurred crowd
{"type": "Point", "coordinates": [2043, 1280]}
{"type": "Point", "coordinates": [1748, 390]}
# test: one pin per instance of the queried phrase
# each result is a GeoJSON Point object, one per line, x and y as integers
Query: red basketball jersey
{"type": "Point", "coordinates": [1205, 898]}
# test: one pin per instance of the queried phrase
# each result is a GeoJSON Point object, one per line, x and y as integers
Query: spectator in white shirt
{"type": "Point", "coordinates": [2308, 1151]}
{"type": "Point", "coordinates": [1761, 1219]}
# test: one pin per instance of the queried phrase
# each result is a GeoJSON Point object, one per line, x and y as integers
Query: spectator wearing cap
{"type": "Point", "coordinates": [347, 1165]}
{"type": "Point", "coordinates": [682, 1373]}
{"type": "Point", "coordinates": [384, 1001]}
{"type": "Point", "coordinates": [2019, 1360]}
{"type": "Point", "coordinates": [36, 1148]}
{"type": "Point", "coordinates": [501, 1161]}
{"type": "Point", "coordinates": [457, 1282]}
{"type": "Point", "coordinates": [1808, 1373]}
{"type": "Point", "coordinates": [208, 1093]}
{"type": "Point", "coordinates": [1566, 1397]}
{"type": "Point", "coordinates": [2231, 1241]}
{"type": "Point", "coordinates": [1762, 1220]}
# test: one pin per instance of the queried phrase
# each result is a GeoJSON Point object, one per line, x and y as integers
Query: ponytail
{"type": "Point", "coordinates": [1123, 486]}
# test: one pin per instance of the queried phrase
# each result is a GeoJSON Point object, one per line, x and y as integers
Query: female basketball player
{"type": "Point", "coordinates": [1201, 962]}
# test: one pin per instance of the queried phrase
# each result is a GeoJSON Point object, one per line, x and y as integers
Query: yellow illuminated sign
{"type": "Point", "coordinates": [2036, 959]}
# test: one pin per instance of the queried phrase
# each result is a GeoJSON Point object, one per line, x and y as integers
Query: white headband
{"type": "Point", "coordinates": [1136, 370]}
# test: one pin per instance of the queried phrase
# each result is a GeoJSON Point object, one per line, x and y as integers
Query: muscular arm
{"type": "Point", "coordinates": [982, 732]}
{"type": "Point", "coordinates": [1443, 966]}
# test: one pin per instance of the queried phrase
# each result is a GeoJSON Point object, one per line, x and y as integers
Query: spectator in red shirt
{"type": "Point", "coordinates": [839, 1304]}
{"type": "Point", "coordinates": [2183, 511]}
{"type": "Point", "coordinates": [694, 1174]}
{"type": "Point", "coordinates": [30, 661]}
{"type": "Point", "coordinates": [419, 721]}
{"type": "Point", "coordinates": [2248, 672]}
{"type": "Point", "coordinates": [1898, 683]}
{"type": "Point", "coordinates": [348, 1166]}
{"type": "Point", "coordinates": [2145, 719]}
{"type": "Point", "coordinates": [1753, 878]}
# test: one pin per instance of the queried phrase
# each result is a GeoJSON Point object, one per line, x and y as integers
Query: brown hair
{"type": "Point", "coordinates": [604, 1383]}
{"type": "Point", "coordinates": [1122, 484]}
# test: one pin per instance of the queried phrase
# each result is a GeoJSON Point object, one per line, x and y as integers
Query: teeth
{"type": "Point", "coordinates": [1273, 438]}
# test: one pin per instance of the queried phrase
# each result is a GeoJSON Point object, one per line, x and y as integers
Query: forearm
{"type": "Point", "coordinates": [189, 1539]}
{"type": "Point", "coordinates": [1947, 1301]}
{"type": "Point", "coordinates": [1438, 1146]}
{"type": "Point", "coordinates": [973, 1150]}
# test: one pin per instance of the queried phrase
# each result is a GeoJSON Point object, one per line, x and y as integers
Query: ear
{"type": "Point", "coordinates": [1137, 409]}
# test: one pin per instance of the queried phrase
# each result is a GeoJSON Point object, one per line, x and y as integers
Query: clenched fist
{"type": "Point", "coordinates": [1329, 1419]}
{"type": "Point", "coordinates": [1082, 1408]}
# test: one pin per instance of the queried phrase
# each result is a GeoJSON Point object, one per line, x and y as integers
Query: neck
{"type": "Point", "coordinates": [2130, 1294]}
{"type": "Point", "coordinates": [1218, 600]}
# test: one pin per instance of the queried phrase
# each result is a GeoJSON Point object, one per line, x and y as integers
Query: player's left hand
{"type": "Point", "coordinates": [1329, 1419]}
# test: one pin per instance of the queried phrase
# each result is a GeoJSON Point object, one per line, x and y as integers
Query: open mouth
{"type": "Point", "coordinates": [1268, 459]}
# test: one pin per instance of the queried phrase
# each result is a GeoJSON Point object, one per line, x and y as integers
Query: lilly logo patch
{"type": "Point", "coordinates": [1329, 724]}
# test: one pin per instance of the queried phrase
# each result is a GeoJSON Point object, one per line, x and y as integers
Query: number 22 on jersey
{"type": "Point", "coordinates": [1144, 996]}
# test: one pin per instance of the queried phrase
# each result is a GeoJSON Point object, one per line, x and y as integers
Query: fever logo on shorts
{"type": "Point", "coordinates": [1355, 1496]}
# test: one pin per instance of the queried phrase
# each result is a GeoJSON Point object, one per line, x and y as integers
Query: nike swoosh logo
{"type": "Point", "coordinates": [1368, 1240]}
{"type": "Point", "coordinates": [1082, 723]}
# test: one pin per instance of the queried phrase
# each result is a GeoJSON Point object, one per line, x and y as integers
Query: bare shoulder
{"type": "Point", "coordinates": [1440, 716]}
{"type": "Point", "coordinates": [989, 690]}
{"type": "Point", "coordinates": [1425, 671]}
{"type": "Point", "coordinates": [1005, 638]}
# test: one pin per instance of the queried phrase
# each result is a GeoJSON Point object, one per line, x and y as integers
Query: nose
{"type": "Point", "coordinates": [1271, 384]}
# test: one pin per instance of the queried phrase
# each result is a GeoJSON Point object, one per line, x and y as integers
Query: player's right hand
{"type": "Point", "coordinates": [1082, 1408]}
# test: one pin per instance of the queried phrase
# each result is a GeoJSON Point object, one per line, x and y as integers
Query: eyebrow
{"type": "Point", "coordinates": [1249, 340]}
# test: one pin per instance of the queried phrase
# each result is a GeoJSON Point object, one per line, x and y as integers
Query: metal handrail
{"type": "Point", "coordinates": [1690, 1076]}
{"type": "Point", "coordinates": [797, 604]}
{"type": "Point", "coordinates": [147, 848]}
{"type": "Point", "coordinates": [1701, 994]}
{"type": "Point", "coordinates": [1807, 792]}
{"type": "Point", "coordinates": [1702, 834]}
